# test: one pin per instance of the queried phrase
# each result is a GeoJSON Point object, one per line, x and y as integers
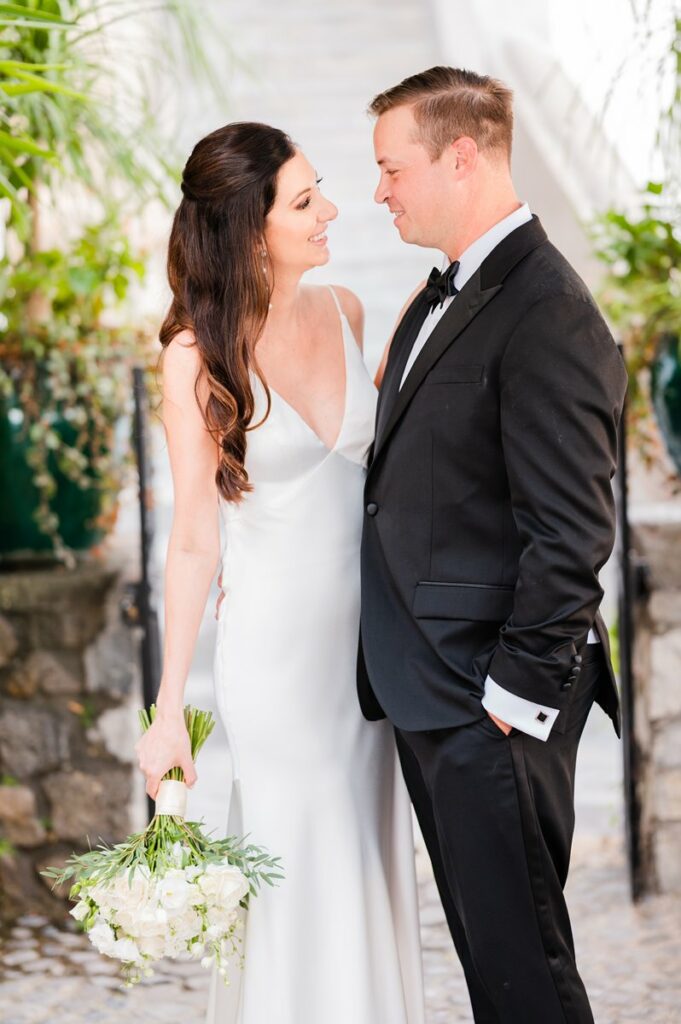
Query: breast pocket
{"type": "Point", "coordinates": [456, 373]}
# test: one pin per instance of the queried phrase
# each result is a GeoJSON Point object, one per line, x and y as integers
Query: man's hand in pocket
{"type": "Point", "coordinates": [499, 724]}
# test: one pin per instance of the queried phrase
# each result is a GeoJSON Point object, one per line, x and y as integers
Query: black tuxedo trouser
{"type": "Point", "coordinates": [497, 816]}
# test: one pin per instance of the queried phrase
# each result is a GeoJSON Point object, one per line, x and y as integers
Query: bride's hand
{"type": "Point", "coordinates": [163, 746]}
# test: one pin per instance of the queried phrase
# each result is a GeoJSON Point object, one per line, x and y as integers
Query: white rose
{"type": "Point", "coordinates": [102, 937]}
{"type": "Point", "coordinates": [223, 884]}
{"type": "Point", "coordinates": [129, 890]}
{"type": "Point", "coordinates": [173, 891]}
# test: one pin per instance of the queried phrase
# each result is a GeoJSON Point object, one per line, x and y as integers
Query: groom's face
{"type": "Point", "coordinates": [415, 188]}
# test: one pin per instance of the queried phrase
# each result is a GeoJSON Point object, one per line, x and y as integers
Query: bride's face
{"type": "Point", "coordinates": [295, 227]}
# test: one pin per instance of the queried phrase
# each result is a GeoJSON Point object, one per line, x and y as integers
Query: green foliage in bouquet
{"type": "Point", "coordinates": [170, 889]}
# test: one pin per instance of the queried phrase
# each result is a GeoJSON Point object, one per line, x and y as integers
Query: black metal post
{"type": "Point", "coordinates": [627, 595]}
{"type": "Point", "coordinates": [142, 610]}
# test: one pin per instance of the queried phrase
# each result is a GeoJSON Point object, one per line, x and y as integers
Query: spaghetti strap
{"type": "Point", "coordinates": [335, 299]}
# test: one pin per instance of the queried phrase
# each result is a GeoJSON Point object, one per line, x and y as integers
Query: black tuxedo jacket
{"type": "Point", "coordinates": [488, 500]}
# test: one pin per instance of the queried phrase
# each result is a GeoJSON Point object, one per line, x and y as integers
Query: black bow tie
{"type": "Point", "coordinates": [441, 285]}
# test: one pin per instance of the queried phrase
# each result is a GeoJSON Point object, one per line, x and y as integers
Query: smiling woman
{"type": "Point", "coordinates": [269, 412]}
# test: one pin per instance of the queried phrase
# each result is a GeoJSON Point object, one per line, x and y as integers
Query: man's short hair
{"type": "Point", "coordinates": [450, 102]}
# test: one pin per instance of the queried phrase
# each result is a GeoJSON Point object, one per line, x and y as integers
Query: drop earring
{"type": "Point", "coordinates": [263, 254]}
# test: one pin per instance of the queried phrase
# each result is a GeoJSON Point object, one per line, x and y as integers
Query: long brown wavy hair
{"type": "Point", "coordinates": [217, 270]}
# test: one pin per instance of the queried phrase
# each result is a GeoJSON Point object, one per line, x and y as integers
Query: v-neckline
{"type": "Point", "coordinates": [301, 419]}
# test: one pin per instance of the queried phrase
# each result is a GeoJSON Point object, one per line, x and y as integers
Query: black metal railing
{"type": "Point", "coordinates": [138, 605]}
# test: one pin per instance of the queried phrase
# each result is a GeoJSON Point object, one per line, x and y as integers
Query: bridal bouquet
{"type": "Point", "coordinates": [169, 890]}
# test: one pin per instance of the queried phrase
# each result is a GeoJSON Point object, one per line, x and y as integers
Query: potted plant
{"type": "Point", "coordinates": [64, 390]}
{"type": "Point", "coordinates": [73, 122]}
{"type": "Point", "coordinates": [641, 292]}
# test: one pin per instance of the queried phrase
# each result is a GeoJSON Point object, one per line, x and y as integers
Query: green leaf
{"type": "Point", "coordinates": [44, 85]}
{"type": "Point", "coordinates": [7, 66]}
{"type": "Point", "coordinates": [21, 11]}
{"type": "Point", "coordinates": [23, 144]}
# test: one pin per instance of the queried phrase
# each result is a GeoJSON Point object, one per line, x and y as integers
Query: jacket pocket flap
{"type": "Point", "coordinates": [457, 373]}
{"type": "Point", "coordinates": [471, 601]}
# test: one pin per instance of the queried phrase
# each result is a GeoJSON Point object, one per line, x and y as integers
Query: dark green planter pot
{"type": "Point", "coordinates": [76, 508]}
{"type": "Point", "coordinates": [666, 393]}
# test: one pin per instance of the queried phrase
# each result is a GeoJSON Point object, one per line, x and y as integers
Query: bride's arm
{"type": "Point", "coordinates": [384, 358]}
{"type": "Point", "coordinates": [191, 561]}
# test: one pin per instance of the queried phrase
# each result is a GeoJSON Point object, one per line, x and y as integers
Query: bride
{"type": "Point", "coordinates": [269, 413]}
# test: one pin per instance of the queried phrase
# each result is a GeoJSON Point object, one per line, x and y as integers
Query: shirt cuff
{"type": "Point", "coordinates": [534, 719]}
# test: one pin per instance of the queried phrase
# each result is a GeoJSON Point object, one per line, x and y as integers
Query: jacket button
{"type": "Point", "coordinates": [372, 508]}
{"type": "Point", "coordinates": [565, 686]}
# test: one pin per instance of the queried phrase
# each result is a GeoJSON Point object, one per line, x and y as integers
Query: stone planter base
{"type": "Point", "coordinates": [656, 539]}
{"type": "Point", "coordinates": [69, 690]}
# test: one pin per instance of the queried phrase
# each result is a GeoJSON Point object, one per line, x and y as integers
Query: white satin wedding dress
{"type": "Point", "coordinates": [337, 942]}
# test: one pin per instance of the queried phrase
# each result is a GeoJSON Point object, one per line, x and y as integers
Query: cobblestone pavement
{"type": "Point", "coordinates": [629, 958]}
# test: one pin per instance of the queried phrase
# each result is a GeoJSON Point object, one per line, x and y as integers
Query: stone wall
{"type": "Point", "coordinates": [656, 540]}
{"type": "Point", "coordinates": [69, 689]}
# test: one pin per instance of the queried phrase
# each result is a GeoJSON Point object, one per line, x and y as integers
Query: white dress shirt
{"type": "Point", "coordinates": [514, 710]}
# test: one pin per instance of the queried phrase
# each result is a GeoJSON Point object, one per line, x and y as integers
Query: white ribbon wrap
{"type": "Point", "coordinates": [172, 798]}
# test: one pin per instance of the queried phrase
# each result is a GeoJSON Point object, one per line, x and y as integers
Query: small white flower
{"type": "Point", "coordinates": [221, 918]}
{"type": "Point", "coordinates": [187, 926]}
{"type": "Point", "coordinates": [80, 911]}
{"type": "Point", "coordinates": [102, 937]}
{"type": "Point", "coordinates": [126, 950]}
{"type": "Point", "coordinates": [152, 946]}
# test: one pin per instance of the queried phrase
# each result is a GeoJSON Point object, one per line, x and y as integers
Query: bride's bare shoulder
{"type": "Point", "coordinates": [184, 339]}
{"type": "Point", "coordinates": [181, 367]}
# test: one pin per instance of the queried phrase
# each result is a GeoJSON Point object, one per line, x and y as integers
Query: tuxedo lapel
{"type": "Point", "coordinates": [465, 306]}
{"type": "Point", "coordinates": [405, 336]}
{"type": "Point", "coordinates": [474, 296]}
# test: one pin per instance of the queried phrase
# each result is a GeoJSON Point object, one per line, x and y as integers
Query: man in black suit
{"type": "Point", "coordinates": [488, 515]}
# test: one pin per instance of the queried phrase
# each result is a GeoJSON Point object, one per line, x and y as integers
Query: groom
{"type": "Point", "coordinates": [488, 514]}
